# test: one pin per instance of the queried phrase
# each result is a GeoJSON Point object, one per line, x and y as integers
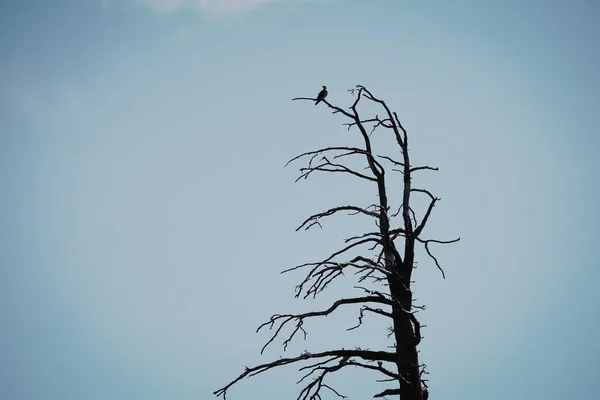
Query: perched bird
{"type": "Point", "coordinates": [322, 95]}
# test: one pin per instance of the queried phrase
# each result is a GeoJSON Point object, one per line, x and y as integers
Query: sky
{"type": "Point", "coordinates": [146, 211]}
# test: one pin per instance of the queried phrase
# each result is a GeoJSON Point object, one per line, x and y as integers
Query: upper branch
{"type": "Point", "coordinates": [361, 315]}
{"type": "Point", "coordinates": [328, 166]}
{"type": "Point", "coordinates": [283, 319]}
{"type": "Point", "coordinates": [424, 167]}
{"type": "Point", "coordinates": [325, 271]}
{"type": "Point", "coordinates": [346, 151]}
{"type": "Point", "coordinates": [392, 117]}
{"type": "Point", "coordinates": [314, 219]}
{"type": "Point", "coordinates": [426, 243]}
{"type": "Point", "coordinates": [335, 109]}
{"type": "Point", "coordinates": [377, 122]}
{"type": "Point", "coordinates": [434, 199]}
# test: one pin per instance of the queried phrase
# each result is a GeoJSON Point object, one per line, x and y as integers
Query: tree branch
{"type": "Point", "coordinates": [388, 392]}
{"type": "Point", "coordinates": [374, 311]}
{"type": "Point", "coordinates": [283, 319]}
{"type": "Point", "coordinates": [426, 243]}
{"type": "Point", "coordinates": [347, 150]}
{"type": "Point", "coordinates": [337, 253]}
{"type": "Point", "coordinates": [391, 117]}
{"type": "Point", "coordinates": [366, 355]}
{"type": "Point", "coordinates": [419, 228]}
{"type": "Point", "coordinates": [323, 167]}
{"type": "Point", "coordinates": [424, 167]}
{"type": "Point", "coordinates": [323, 272]}
{"type": "Point", "coordinates": [390, 159]}
{"type": "Point", "coordinates": [314, 219]}
{"type": "Point", "coordinates": [386, 123]}
{"type": "Point", "coordinates": [335, 109]}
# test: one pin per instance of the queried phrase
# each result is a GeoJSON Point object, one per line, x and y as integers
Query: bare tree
{"type": "Point", "coordinates": [382, 261]}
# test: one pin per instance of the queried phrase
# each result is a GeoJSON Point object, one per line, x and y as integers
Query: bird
{"type": "Point", "coordinates": [322, 95]}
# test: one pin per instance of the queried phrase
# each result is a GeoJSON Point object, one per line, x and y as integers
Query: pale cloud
{"type": "Point", "coordinates": [26, 100]}
{"type": "Point", "coordinates": [46, 105]}
{"type": "Point", "coordinates": [163, 5]}
{"type": "Point", "coordinates": [209, 5]}
{"type": "Point", "coordinates": [69, 100]}
{"type": "Point", "coordinates": [184, 33]}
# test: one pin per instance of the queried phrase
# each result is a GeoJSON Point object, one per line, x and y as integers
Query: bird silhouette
{"type": "Point", "coordinates": [321, 96]}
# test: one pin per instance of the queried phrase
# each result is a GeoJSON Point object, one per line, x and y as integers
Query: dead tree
{"type": "Point", "coordinates": [390, 261]}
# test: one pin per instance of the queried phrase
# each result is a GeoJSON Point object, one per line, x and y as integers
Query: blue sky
{"type": "Point", "coordinates": [146, 212]}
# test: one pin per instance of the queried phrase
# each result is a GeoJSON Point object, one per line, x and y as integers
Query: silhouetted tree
{"type": "Point", "coordinates": [386, 259]}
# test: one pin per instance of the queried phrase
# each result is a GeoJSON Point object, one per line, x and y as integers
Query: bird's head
{"type": "Point", "coordinates": [324, 87]}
